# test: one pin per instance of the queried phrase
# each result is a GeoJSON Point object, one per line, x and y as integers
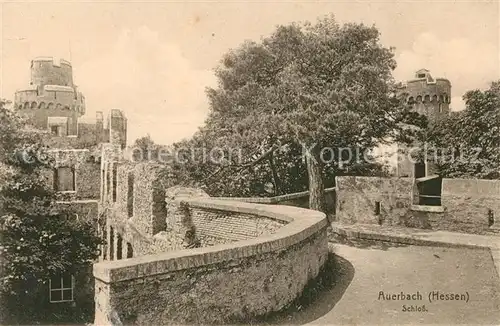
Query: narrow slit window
{"type": "Point", "coordinates": [130, 195]}
{"type": "Point", "coordinates": [491, 217]}
{"type": "Point", "coordinates": [119, 245]}
{"type": "Point", "coordinates": [377, 208]}
{"type": "Point", "coordinates": [114, 182]}
{"type": "Point", "coordinates": [111, 243]}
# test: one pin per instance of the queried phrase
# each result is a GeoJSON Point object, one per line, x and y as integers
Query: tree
{"type": "Point", "coordinates": [144, 149]}
{"type": "Point", "coordinates": [38, 240]}
{"type": "Point", "coordinates": [467, 142]}
{"type": "Point", "coordinates": [325, 89]}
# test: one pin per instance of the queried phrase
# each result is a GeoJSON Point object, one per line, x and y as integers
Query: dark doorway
{"type": "Point", "coordinates": [419, 171]}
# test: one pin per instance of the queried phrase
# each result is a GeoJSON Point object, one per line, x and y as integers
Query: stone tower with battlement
{"type": "Point", "coordinates": [51, 100]}
{"type": "Point", "coordinates": [429, 96]}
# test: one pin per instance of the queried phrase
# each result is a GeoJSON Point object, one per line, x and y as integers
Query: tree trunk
{"type": "Point", "coordinates": [316, 183]}
{"type": "Point", "coordinates": [276, 179]}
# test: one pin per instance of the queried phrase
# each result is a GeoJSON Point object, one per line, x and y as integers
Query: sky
{"type": "Point", "coordinates": [153, 60]}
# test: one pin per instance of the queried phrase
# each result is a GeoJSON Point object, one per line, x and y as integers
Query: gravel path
{"type": "Point", "coordinates": [368, 270]}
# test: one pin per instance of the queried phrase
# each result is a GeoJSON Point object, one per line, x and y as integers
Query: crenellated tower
{"type": "Point", "coordinates": [52, 100]}
{"type": "Point", "coordinates": [429, 96]}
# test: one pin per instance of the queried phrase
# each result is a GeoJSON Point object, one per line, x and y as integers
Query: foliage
{"type": "Point", "coordinates": [324, 85]}
{"type": "Point", "coordinates": [144, 149]}
{"type": "Point", "coordinates": [469, 140]}
{"type": "Point", "coordinates": [38, 240]}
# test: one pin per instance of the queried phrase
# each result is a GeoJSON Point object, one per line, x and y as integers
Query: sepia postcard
{"type": "Point", "coordinates": [250, 162]}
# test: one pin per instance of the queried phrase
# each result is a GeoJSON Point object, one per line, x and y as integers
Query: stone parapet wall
{"type": "Point", "coordinates": [470, 205]}
{"type": "Point", "coordinates": [357, 199]}
{"type": "Point", "coordinates": [298, 199]}
{"type": "Point", "coordinates": [217, 284]}
{"type": "Point", "coordinates": [467, 205]}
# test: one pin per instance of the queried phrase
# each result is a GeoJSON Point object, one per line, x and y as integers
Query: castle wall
{"type": "Point", "coordinates": [87, 173]}
{"type": "Point", "coordinates": [467, 205]}
{"type": "Point", "coordinates": [40, 117]}
{"type": "Point", "coordinates": [357, 198]}
{"type": "Point", "coordinates": [198, 285]}
{"type": "Point", "coordinates": [468, 202]}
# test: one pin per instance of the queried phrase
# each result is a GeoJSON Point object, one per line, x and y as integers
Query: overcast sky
{"type": "Point", "coordinates": [154, 60]}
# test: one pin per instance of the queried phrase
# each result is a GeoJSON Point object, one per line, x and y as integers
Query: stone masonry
{"type": "Point", "coordinates": [223, 283]}
{"type": "Point", "coordinates": [467, 205]}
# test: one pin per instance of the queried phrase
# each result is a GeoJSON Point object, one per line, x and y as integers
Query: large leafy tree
{"type": "Point", "coordinates": [467, 143]}
{"type": "Point", "coordinates": [321, 88]}
{"type": "Point", "coordinates": [38, 240]}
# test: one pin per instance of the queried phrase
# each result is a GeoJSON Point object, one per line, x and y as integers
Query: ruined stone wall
{"type": "Point", "coordinates": [217, 284]}
{"type": "Point", "coordinates": [357, 199]}
{"type": "Point", "coordinates": [87, 175]}
{"type": "Point", "coordinates": [148, 217]}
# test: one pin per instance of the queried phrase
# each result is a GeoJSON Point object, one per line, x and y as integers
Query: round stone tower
{"type": "Point", "coordinates": [429, 96]}
{"type": "Point", "coordinates": [52, 100]}
{"type": "Point", "coordinates": [50, 71]}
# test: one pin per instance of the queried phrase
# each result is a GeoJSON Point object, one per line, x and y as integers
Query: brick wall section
{"type": "Point", "coordinates": [210, 226]}
{"type": "Point", "coordinates": [217, 284]}
{"type": "Point", "coordinates": [299, 199]}
{"type": "Point", "coordinates": [357, 197]}
{"type": "Point", "coordinates": [219, 226]}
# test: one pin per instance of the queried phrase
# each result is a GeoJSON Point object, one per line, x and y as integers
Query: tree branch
{"type": "Point", "coordinates": [249, 164]}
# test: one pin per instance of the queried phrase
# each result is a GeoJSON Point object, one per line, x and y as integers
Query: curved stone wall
{"type": "Point", "coordinates": [218, 284]}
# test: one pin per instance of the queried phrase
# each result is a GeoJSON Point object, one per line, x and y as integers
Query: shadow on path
{"type": "Point", "coordinates": [319, 296]}
{"type": "Point", "coordinates": [367, 244]}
